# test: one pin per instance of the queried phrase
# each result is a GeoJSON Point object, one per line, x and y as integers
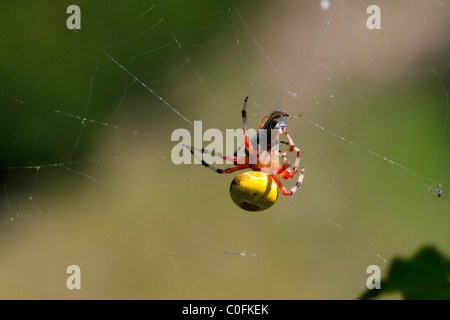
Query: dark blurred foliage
{"type": "Point", "coordinates": [423, 277]}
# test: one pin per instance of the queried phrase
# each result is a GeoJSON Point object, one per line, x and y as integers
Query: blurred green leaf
{"type": "Point", "coordinates": [425, 277]}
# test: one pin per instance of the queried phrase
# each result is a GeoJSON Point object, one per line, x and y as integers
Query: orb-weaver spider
{"type": "Point", "coordinates": [266, 163]}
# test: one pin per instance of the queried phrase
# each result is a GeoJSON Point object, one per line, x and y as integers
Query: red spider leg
{"type": "Point", "coordinates": [294, 188]}
{"type": "Point", "coordinates": [283, 172]}
{"type": "Point", "coordinates": [233, 169]}
{"type": "Point", "coordinates": [260, 126]}
{"type": "Point", "coordinates": [286, 174]}
{"type": "Point", "coordinates": [234, 159]}
{"type": "Point", "coordinates": [211, 167]}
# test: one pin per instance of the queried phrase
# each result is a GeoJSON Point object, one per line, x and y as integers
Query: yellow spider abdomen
{"type": "Point", "coordinates": [253, 191]}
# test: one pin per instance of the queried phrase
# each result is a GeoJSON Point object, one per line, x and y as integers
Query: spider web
{"type": "Point", "coordinates": [86, 119]}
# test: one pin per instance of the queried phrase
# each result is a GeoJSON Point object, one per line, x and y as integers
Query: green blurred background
{"type": "Point", "coordinates": [85, 169]}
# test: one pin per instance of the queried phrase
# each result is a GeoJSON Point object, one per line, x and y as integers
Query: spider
{"type": "Point", "coordinates": [255, 190]}
{"type": "Point", "coordinates": [438, 191]}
